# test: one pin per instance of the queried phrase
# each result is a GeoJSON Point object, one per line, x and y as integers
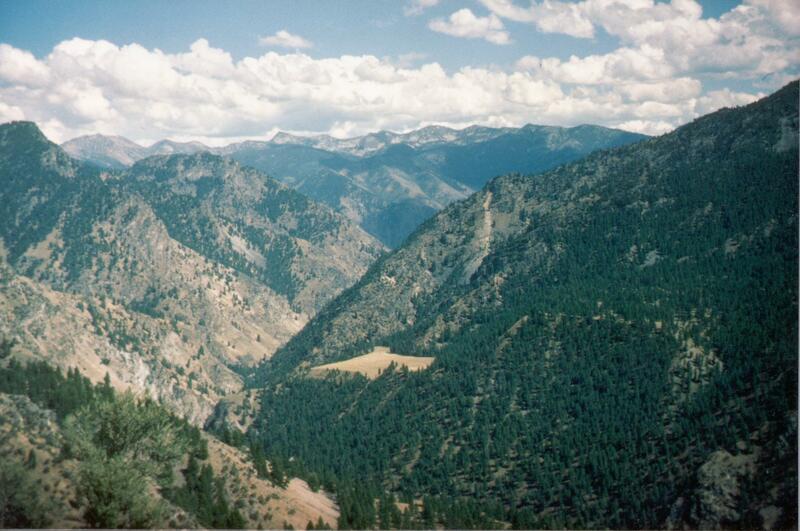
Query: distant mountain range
{"type": "Point", "coordinates": [116, 152]}
{"type": "Point", "coordinates": [387, 182]}
{"type": "Point", "coordinates": [372, 143]}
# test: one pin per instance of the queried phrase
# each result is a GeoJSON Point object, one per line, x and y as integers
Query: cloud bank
{"type": "Point", "coordinates": [758, 38]}
{"type": "Point", "coordinates": [651, 83]}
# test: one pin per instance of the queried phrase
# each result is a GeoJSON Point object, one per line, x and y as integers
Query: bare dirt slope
{"type": "Point", "coordinates": [266, 505]}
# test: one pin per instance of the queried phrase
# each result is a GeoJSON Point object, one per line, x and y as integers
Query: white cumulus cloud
{"type": "Point", "coordinates": [416, 7]}
{"type": "Point", "coordinates": [660, 39]}
{"type": "Point", "coordinates": [548, 16]}
{"type": "Point", "coordinates": [284, 39]}
{"type": "Point", "coordinates": [464, 23]}
{"type": "Point", "coordinates": [21, 67]}
{"type": "Point", "coordinates": [202, 93]}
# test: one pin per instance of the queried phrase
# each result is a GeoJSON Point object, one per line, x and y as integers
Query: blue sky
{"type": "Point", "coordinates": [376, 27]}
{"type": "Point", "coordinates": [637, 64]}
{"type": "Point", "coordinates": [354, 27]}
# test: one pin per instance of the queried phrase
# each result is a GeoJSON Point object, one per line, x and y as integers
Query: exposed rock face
{"type": "Point", "coordinates": [746, 487]}
{"type": "Point", "coordinates": [234, 411]}
{"type": "Point", "coordinates": [164, 276]}
{"type": "Point", "coordinates": [718, 490]}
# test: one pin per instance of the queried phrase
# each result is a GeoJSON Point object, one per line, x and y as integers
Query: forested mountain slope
{"type": "Point", "coordinates": [166, 275]}
{"type": "Point", "coordinates": [615, 343]}
{"type": "Point", "coordinates": [249, 222]}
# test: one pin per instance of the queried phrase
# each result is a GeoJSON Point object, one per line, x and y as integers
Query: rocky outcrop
{"type": "Point", "coordinates": [165, 276]}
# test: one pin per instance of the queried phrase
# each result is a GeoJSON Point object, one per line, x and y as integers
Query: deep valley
{"type": "Point", "coordinates": [528, 328]}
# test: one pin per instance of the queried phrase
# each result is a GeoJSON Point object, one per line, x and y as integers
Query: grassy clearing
{"type": "Point", "coordinates": [373, 364]}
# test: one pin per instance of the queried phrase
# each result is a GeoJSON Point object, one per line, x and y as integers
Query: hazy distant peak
{"type": "Point", "coordinates": [110, 151]}
{"type": "Point", "coordinates": [116, 151]}
{"type": "Point", "coordinates": [166, 147]}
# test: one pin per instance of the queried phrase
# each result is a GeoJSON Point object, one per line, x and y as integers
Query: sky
{"type": "Point", "coordinates": [221, 72]}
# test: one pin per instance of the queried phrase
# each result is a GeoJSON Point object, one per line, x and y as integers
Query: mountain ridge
{"type": "Point", "coordinates": [82, 147]}
{"type": "Point", "coordinates": [169, 274]}
{"type": "Point", "coordinates": [389, 183]}
{"type": "Point", "coordinates": [614, 342]}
